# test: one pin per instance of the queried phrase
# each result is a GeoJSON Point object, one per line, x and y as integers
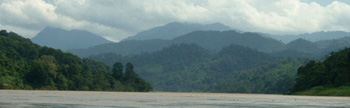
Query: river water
{"type": "Point", "coordinates": [82, 99]}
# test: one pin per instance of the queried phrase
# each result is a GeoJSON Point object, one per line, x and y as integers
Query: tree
{"type": "Point", "coordinates": [24, 65]}
{"type": "Point", "coordinates": [3, 33]}
{"type": "Point", "coordinates": [129, 73]}
{"type": "Point", "coordinates": [333, 72]}
{"type": "Point", "coordinates": [117, 71]}
{"type": "Point", "coordinates": [43, 72]}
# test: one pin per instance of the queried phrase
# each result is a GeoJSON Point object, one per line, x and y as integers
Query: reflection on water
{"type": "Point", "coordinates": [83, 99]}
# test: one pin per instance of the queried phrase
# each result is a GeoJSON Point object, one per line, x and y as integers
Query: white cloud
{"type": "Point", "coordinates": [117, 19]}
{"type": "Point", "coordinates": [28, 16]}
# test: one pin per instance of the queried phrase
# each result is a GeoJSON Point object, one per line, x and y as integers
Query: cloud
{"type": "Point", "coordinates": [28, 16]}
{"type": "Point", "coordinates": [117, 19]}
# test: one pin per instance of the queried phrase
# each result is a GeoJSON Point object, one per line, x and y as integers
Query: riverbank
{"type": "Point", "coordinates": [323, 91]}
{"type": "Point", "coordinates": [32, 98]}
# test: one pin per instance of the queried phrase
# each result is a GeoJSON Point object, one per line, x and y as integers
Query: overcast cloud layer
{"type": "Point", "coordinates": [117, 19]}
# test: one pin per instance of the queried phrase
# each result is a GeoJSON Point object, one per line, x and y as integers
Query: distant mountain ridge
{"type": "Point", "coordinates": [313, 37]}
{"type": "Point", "coordinates": [176, 29]}
{"type": "Point", "coordinates": [216, 40]}
{"type": "Point", "coordinates": [212, 40]}
{"type": "Point", "coordinates": [191, 68]}
{"type": "Point", "coordinates": [175, 68]}
{"type": "Point", "coordinates": [302, 47]}
{"type": "Point", "coordinates": [64, 40]}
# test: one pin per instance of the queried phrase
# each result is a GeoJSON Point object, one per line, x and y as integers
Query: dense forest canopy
{"type": "Point", "coordinates": [191, 68]}
{"type": "Point", "coordinates": [24, 65]}
{"type": "Point", "coordinates": [332, 72]}
{"type": "Point", "coordinates": [239, 63]}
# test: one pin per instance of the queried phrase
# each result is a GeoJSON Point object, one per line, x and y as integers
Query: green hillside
{"type": "Point", "coordinates": [191, 68]}
{"type": "Point", "coordinates": [328, 77]}
{"type": "Point", "coordinates": [24, 65]}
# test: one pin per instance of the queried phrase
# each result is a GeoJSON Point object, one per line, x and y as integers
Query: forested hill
{"type": "Point", "coordinates": [191, 68]}
{"type": "Point", "coordinates": [212, 40]}
{"type": "Point", "coordinates": [328, 77]}
{"type": "Point", "coordinates": [216, 40]}
{"type": "Point", "coordinates": [24, 65]}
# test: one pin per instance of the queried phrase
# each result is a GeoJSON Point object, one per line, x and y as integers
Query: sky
{"type": "Point", "coordinates": [118, 19]}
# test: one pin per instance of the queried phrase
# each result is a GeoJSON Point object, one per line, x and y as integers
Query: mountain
{"type": "Point", "coordinates": [299, 48]}
{"type": "Point", "coordinates": [25, 65]}
{"type": "Point", "coordinates": [313, 37]}
{"type": "Point", "coordinates": [212, 40]}
{"type": "Point", "coordinates": [216, 40]}
{"type": "Point", "coordinates": [327, 77]}
{"type": "Point", "coordinates": [191, 68]}
{"type": "Point", "coordinates": [334, 44]}
{"type": "Point", "coordinates": [303, 45]}
{"type": "Point", "coordinates": [64, 40]}
{"type": "Point", "coordinates": [130, 47]}
{"type": "Point", "coordinates": [176, 29]}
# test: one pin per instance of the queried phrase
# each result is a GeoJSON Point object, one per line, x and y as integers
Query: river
{"type": "Point", "coordinates": [79, 99]}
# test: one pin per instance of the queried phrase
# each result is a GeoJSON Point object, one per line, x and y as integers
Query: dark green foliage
{"type": "Point", "coordinates": [43, 72]}
{"type": "Point", "coordinates": [129, 73]}
{"type": "Point", "coordinates": [334, 71]}
{"type": "Point", "coordinates": [117, 71]}
{"type": "Point", "coordinates": [3, 33]}
{"type": "Point", "coordinates": [277, 77]}
{"type": "Point", "coordinates": [132, 79]}
{"type": "Point", "coordinates": [191, 68]}
{"type": "Point", "coordinates": [24, 65]}
{"type": "Point", "coordinates": [326, 91]}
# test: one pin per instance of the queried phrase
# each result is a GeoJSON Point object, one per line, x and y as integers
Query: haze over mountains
{"type": "Point", "coordinates": [191, 68]}
{"type": "Point", "coordinates": [194, 57]}
{"type": "Point", "coordinates": [176, 29]}
{"type": "Point", "coordinates": [212, 40]}
{"type": "Point", "coordinates": [313, 37]}
{"type": "Point", "coordinates": [64, 40]}
{"type": "Point", "coordinates": [203, 58]}
{"type": "Point", "coordinates": [84, 43]}
{"type": "Point", "coordinates": [219, 61]}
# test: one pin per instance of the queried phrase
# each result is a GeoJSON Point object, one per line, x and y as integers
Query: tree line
{"type": "Point", "coordinates": [25, 65]}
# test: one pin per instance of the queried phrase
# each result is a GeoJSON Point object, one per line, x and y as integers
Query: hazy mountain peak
{"type": "Point", "coordinates": [303, 45]}
{"type": "Point", "coordinates": [313, 37]}
{"type": "Point", "coordinates": [63, 39]}
{"type": "Point", "coordinates": [176, 29]}
{"type": "Point", "coordinates": [175, 23]}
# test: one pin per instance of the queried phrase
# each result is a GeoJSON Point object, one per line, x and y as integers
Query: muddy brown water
{"type": "Point", "coordinates": [82, 99]}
